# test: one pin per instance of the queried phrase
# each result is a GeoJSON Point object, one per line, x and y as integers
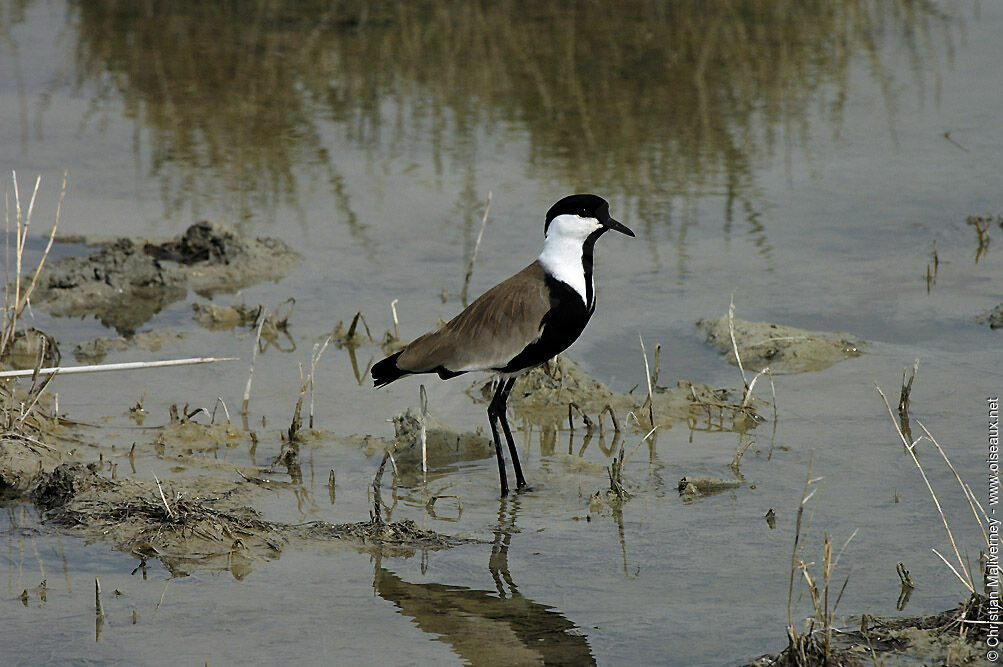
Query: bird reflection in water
{"type": "Point", "coordinates": [502, 626]}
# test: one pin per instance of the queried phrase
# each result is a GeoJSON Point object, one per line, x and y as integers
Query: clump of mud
{"type": "Point", "coordinates": [26, 345]}
{"type": "Point", "coordinates": [64, 483]}
{"type": "Point", "coordinates": [203, 521]}
{"type": "Point", "coordinates": [782, 348]}
{"type": "Point", "coordinates": [217, 317]}
{"type": "Point", "coordinates": [953, 637]}
{"type": "Point", "coordinates": [445, 446]}
{"type": "Point", "coordinates": [399, 538]}
{"type": "Point", "coordinates": [24, 454]}
{"type": "Point", "coordinates": [992, 317]}
{"type": "Point", "coordinates": [21, 461]}
{"type": "Point", "coordinates": [704, 406]}
{"type": "Point", "coordinates": [352, 336]}
{"type": "Point", "coordinates": [443, 443]}
{"type": "Point", "coordinates": [698, 487]}
{"type": "Point", "coordinates": [543, 396]}
{"type": "Point", "coordinates": [561, 377]}
{"type": "Point", "coordinates": [94, 351]}
{"type": "Point", "coordinates": [190, 443]}
{"type": "Point", "coordinates": [126, 281]}
{"type": "Point", "coordinates": [119, 284]}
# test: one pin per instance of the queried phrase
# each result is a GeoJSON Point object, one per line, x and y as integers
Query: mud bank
{"type": "Point", "coordinates": [953, 637]}
{"type": "Point", "coordinates": [21, 461]}
{"type": "Point", "coordinates": [200, 520]}
{"type": "Point", "coordinates": [24, 454]}
{"type": "Point", "coordinates": [784, 349]}
{"type": "Point", "coordinates": [126, 281]}
{"type": "Point", "coordinates": [544, 397]}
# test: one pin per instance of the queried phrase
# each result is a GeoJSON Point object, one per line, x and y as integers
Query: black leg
{"type": "Point", "coordinates": [492, 417]}
{"type": "Point", "coordinates": [507, 388]}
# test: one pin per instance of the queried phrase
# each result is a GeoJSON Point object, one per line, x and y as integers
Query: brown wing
{"type": "Point", "coordinates": [489, 332]}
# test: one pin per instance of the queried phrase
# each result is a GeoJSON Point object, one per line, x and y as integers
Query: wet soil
{"type": "Point", "coordinates": [202, 515]}
{"type": "Point", "coordinates": [706, 486]}
{"type": "Point", "coordinates": [25, 443]}
{"type": "Point", "coordinates": [561, 390]}
{"type": "Point", "coordinates": [20, 463]}
{"type": "Point", "coordinates": [953, 637]}
{"type": "Point", "coordinates": [783, 348]}
{"type": "Point", "coordinates": [95, 350]}
{"type": "Point", "coordinates": [204, 520]}
{"type": "Point", "coordinates": [25, 347]}
{"type": "Point", "coordinates": [216, 317]}
{"type": "Point", "coordinates": [443, 443]}
{"type": "Point", "coordinates": [993, 317]}
{"type": "Point", "coordinates": [126, 281]}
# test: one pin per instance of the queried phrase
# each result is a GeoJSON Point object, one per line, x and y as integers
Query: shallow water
{"type": "Point", "coordinates": [805, 162]}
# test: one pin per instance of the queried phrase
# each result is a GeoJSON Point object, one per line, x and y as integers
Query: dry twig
{"type": "Point", "coordinates": [473, 255]}
{"type": "Point", "coordinates": [647, 375]}
{"type": "Point", "coordinates": [254, 356]}
{"type": "Point", "coordinates": [910, 448]}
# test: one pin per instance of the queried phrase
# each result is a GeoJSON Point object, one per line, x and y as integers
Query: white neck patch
{"type": "Point", "coordinates": [562, 250]}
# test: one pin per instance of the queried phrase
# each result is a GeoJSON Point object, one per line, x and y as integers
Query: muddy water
{"type": "Point", "coordinates": [807, 162]}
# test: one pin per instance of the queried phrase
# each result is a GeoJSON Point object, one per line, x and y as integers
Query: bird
{"type": "Point", "coordinates": [521, 322]}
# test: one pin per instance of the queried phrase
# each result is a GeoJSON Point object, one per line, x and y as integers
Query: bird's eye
{"type": "Point", "coordinates": [584, 213]}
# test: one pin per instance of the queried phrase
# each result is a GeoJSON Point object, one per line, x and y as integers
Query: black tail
{"type": "Point", "coordinates": [386, 371]}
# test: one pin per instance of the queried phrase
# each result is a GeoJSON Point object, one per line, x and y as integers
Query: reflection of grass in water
{"type": "Point", "coordinates": [673, 100]}
{"type": "Point", "coordinates": [212, 86]}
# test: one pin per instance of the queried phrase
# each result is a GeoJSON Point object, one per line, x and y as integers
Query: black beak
{"type": "Point", "coordinates": [618, 227]}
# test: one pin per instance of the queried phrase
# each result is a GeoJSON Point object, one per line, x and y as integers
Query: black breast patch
{"type": "Point", "coordinates": [560, 327]}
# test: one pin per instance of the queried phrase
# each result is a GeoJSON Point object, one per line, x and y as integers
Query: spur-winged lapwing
{"type": "Point", "coordinates": [520, 323]}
